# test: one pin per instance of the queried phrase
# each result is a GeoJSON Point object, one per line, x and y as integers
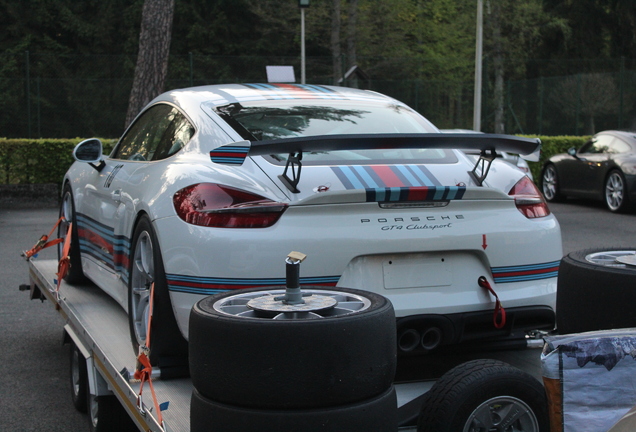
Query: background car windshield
{"type": "Point", "coordinates": [293, 118]}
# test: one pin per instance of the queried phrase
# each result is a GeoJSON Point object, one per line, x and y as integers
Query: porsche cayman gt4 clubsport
{"type": "Point", "coordinates": [211, 187]}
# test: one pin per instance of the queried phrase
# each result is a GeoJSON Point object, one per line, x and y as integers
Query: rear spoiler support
{"type": "Point", "coordinates": [294, 163]}
{"type": "Point", "coordinates": [482, 166]}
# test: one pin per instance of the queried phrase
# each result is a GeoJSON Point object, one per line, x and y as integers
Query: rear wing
{"type": "Point", "coordinates": [487, 144]}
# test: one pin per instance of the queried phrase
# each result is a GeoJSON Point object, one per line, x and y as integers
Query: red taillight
{"type": "Point", "coordinates": [213, 205]}
{"type": "Point", "coordinates": [529, 199]}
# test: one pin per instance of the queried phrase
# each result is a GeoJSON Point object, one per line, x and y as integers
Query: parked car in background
{"type": "Point", "coordinates": [604, 168]}
{"type": "Point", "coordinates": [513, 159]}
{"type": "Point", "coordinates": [204, 193]}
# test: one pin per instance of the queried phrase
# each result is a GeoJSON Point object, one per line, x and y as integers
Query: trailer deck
{"type": "Point", "coordinates": [99, 327]}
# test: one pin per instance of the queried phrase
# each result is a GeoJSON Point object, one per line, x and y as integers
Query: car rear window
{"type": "Point", "coordinates": [271, 120]}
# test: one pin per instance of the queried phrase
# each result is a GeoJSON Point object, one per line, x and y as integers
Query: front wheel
{"type": "Point", "coordinates": [67, 211]}
{"type": "Point", "coordinates": [169, 349]}
{"type": "Point", "coordinates": [485, 395]}
{"type": "Point", "coordinates": [616, 192]}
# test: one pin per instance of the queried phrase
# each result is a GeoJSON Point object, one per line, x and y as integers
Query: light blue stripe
{"type": "Point", "coordinates": [347, 171]}
{"type": "Point", "coordinates": [409, 175]}
{"type": "Point", "coordinates": [423, 177]}
{"type": "Point", "coordinates": [394, 193]}
{"type": "Point", "coordinates": [365, 177]}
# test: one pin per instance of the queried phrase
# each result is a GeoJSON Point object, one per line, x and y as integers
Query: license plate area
{"type": "Point", "coordinates": [417, 271]}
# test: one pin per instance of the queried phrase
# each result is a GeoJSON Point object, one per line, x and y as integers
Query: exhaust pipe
{"type": "Point", "coordinates": [408, 340]}
{"type": "Point", "coordinates": [431, 338]}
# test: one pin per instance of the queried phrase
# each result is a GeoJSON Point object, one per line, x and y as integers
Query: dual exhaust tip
{"type": "Point", "coordinates": [411, 339]}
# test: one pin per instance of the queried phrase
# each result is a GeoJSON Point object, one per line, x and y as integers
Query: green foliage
{"type": "Point", "coordinates": [26, 161]}
{"type": "Point", "coordinates": [551, 145]}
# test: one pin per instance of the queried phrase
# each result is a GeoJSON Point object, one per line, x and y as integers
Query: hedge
{"type": "Point", "coordinates": [36, 161]}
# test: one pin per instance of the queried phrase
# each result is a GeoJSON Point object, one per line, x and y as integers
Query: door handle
{"type": "Point", "coordinates": [116, 195]}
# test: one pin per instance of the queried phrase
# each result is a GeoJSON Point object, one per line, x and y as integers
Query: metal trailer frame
{"type": "Point", "coordinates": [87, 312]}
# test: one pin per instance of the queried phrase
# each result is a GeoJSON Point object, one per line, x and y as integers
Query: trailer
{"type": "Point", "coordinates": [97, 329]}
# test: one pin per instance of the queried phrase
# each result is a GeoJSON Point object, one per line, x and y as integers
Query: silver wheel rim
{"type": "Point", "coordinates": [67, 213]}
{"type": "Point", "coordinates": [502, 414]}
{"type": "Point", "coordinates": [346, 303]}
{"type": "Point", "coordinates": [614, 189]}
{"type": "Point", "coordinates": [610, 258]}
{"type": "Point", "coordinates": [75, 372]}
{"type": "Point", "coordinates": [143, 272]}
{"type": "Point", "coordinates": [93, 410]}
{"type": "Point", "coordinates": [549, 183]}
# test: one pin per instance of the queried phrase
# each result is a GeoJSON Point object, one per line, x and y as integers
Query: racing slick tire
{"type": "Point", "coordinates": [377, 414]}
{"type": "Point", "coordinates": [75, 274]}
{"type": "Point", "coordinates": [595, 291]}
{"type": "Point", "coordinates": [79, 378]}
{"type": "Point", "coordinates": [485, 395]}
{"type": "Point", "coordinates": [347, 355]}
{"type": "Point", "coordinates": [169, 349]}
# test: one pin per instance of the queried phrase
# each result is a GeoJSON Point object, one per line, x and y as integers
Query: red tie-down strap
{"type": "Point", "coordinates": [143, 371]}
{"type": "Point", "coordinates": [499, 316]}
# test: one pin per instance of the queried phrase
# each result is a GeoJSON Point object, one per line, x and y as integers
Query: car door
{"type": "Point", "coordinates": [583, 171]}
{"type": "Point", "coordinates": [156, 134]}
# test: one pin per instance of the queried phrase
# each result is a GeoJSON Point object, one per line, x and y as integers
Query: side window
{"type": "Point", "coordinates": [176, 135]}
{"type": "Point", "coordinates": [158, 133]}
{"type": "Point", "coordinates": [599, 144]}
{"type": "Point", "coordinates": [619, 146]}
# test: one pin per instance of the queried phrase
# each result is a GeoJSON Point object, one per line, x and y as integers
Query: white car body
{"type": "Point", "coordinates": [425, 257]}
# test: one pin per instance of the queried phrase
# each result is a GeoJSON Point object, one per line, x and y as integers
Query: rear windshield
{"type": "Point", "coordinates": [271, 120]}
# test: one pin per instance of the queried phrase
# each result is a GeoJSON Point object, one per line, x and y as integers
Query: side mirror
{"type": "Point", "coordinates": [572, 151]}
{"type": "Point", "coordinates": [90, 151]}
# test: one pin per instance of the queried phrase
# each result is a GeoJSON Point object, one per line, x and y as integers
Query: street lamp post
{"type": "Point", "coordinates": [302, 4]}
{"type": "Point", "coordinates": [478, 60]}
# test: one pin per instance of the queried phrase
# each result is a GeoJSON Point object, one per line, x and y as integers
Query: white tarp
{"type": "Point", "coordinates": [597, 373]}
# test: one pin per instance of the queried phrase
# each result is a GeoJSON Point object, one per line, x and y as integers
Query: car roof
{"type": "Point", "coordinates": [223, 94]}
{"type": "Point", "coordinates": [625, 135]}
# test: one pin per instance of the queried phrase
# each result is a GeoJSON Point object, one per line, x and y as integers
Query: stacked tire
{"type": "Point", "coordinates": [595, 291]}
{"type": "Point", "coordinates": [331, 371]}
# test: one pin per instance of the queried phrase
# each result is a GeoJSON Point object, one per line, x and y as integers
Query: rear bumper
{"type": "Point", "coordinates": [424, 333]}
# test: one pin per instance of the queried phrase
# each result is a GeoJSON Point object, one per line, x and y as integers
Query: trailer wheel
{"type": "Point", "coordinates": [79, 378]}
{"type": "Point", "coordinates": [341, 355]}
{"type": "Point", "coordinates": [169, 349]}
{"type": "Point", "coordinates": [75, 274]}
{"type": "Point", "coordinates": [378, 414]}
{"type": "Point", "coordinates": [485, 395]}
{"type": "Point", "coordinates": [105, 414]}
{"type": "Point", "coordinates": [596, 290]}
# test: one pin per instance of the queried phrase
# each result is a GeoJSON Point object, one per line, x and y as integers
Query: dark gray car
{"type": "Point", "coordinates": [604, 168]}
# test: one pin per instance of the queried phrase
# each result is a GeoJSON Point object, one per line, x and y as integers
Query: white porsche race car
{"type": "Point", "coordinates": [211, 187]}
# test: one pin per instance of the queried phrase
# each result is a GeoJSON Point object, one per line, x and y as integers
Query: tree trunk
{"type": "Point", "coordinates": [351, 39]}
{"type": "Point", "coordinates": [336, 54]}
{"type": "Point", "coordinates": [152, 59]}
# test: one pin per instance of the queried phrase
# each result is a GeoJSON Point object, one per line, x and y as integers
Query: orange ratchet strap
{"type": "Point", "coordinates": [144, 368]}
{"type": "Point", "coordinates": [499, 316]}
{"type": "Point", "coordinates": [44, 242]}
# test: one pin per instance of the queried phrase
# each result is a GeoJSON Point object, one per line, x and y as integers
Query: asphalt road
{"type": "Point", "coordinates": [34, 368]}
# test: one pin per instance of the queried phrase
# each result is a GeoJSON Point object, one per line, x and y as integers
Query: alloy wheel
{"type": "Point", "coordinates": [502, 414]}
{"type": "Point", "coordinates": [143, 271]}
